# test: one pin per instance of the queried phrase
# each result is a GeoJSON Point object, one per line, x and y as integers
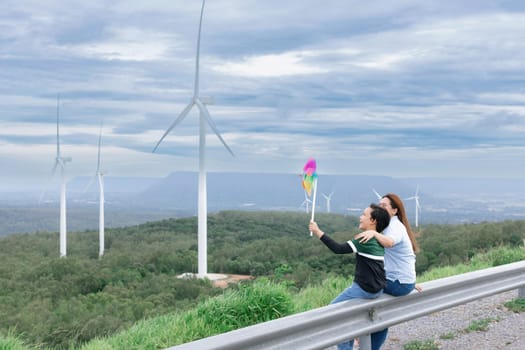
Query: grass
{"type": "Point", "coordinates": [481, 325]}
{"type": "Point", "coordinates": [316, 296]}
{"type": "Point", "coordinates": [250, 304]}
{"type": "Point", "coordinates": [428, 344]}
{"type": "Point", "coordinates": [260, 301]}
{"type": "Point", "coordinates": [494, 257]}
{"type": "Point", "coordinates": [516, 305]}
{"type": "Point", "coordinates": [447, 336]}
{"type": "Point", "coordinates": [11, 342]}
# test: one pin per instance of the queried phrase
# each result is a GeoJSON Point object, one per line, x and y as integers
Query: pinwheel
{"type": "Point", "coordinates": [310, 182]}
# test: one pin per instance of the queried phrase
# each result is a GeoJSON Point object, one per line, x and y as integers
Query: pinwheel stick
{"type": "Point", "coordinates": [313, 202]}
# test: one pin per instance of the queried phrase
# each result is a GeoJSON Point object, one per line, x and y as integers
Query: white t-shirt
{"type": "Point", "coordinates": [400, 260]}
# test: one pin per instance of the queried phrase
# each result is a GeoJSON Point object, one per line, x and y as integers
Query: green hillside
{"type": "Point", "coordinates": [259, 302]}
{"type": "Point", "coordinates": [53, 303]}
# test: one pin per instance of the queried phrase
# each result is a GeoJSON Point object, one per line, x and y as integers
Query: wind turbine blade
{"type": "Point", "coordinates": [42, 195]}
{"type": "Point", "coordinates": [90, 183]}
{"type": "Point", "coordinates": [58, 123]}
{"type": "Point", "coordinates": [54, 168]}
{"type": "Point", "coordinates": [48, 181]}
{"type": "Point", "coordinates": [97, 173]}
{"type": "Point", "coordinates": [204, 111]}
{"type": "Point", "coordinates": [61, 162]}
{"type": "Point", "coordinates": [99, 142]}
{"type": "Point", "coordinates": [376, 193]}
{"type": "Point", "coordinates": [196, 85]}
{"type": "Point", "coordinates": [181, 116]}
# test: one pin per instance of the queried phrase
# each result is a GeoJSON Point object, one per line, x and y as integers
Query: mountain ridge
{"type": "Point", "coordinates": [132, 200]}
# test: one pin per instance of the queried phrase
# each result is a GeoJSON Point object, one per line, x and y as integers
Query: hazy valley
{"type": "Point", "coordinates": [131, 201]}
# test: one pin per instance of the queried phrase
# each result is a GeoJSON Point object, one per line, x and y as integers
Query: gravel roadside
{"type": "Point", "coordinates": [506, 329]}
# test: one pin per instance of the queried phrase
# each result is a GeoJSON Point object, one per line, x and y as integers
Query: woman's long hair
{"type": "Point", "coordinates": [397, 203]}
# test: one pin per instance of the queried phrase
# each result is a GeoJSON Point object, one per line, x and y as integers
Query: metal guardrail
{"type": "Point", "coordinates": [329, 325]}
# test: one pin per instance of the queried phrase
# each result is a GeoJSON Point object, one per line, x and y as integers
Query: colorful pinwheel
{"type": "Point", "coordinates": [310, 182]}
{"type": "Point", "coordinates": [309, 175]}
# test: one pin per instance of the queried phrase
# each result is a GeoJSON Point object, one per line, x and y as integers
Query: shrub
{"type": "Point", "coordinates": [252, 303]}
{"type": "Point", "coordinates": [499, 256]}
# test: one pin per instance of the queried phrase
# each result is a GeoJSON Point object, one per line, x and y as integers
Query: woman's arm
{"type": "Point", "coordinates": [365, 236]}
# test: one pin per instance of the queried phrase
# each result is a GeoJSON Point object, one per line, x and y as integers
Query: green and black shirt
{"type": "Point", "coordinates": [369, 268]}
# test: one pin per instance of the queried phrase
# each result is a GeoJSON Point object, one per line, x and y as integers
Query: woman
{"type": "Point", "coordinates": [369, 275]}
{"type": "Point", "coordinates": [400, 258]}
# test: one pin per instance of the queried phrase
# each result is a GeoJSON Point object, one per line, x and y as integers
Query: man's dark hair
{"type": "Point", "coordinates": [381, 217]}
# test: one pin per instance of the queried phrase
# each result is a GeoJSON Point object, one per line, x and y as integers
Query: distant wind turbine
{"type": "Point", "coordinates": [100, 177]}
{"type": "Point", "coordinates": [328, 199]}
{"type": "Point", "coordinates": [417, 206]}
{"type": "Point", "coordinates": [204, 118]}
{"type": "Point", "coordinates": [61, 161]}
{"type": "Point", "coordinates": [306, 203]}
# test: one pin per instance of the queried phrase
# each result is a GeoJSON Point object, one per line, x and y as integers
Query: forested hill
{"type": "Point", "coordinates": [58, 301]}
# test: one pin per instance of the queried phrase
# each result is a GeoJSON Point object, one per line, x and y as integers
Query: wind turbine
{"type": "Point", "coordinates": [328, 199]}
{"type": "Point", "coordinates": [100, 177]}
{"type": "Point", "coordinates": [61, 161]}
{"type": "Point", "coordinates": [204, 118]}
{"type": "Point", "coordinates": [306, 203]}
{"type": "Point", "coordinates": [418, 207]}
{"type": "Point", "coordinates": [377, 194]}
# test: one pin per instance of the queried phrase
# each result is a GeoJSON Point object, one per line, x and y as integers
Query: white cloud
{"type": "Point", "coordinates": [269, 66]}
{"type": "Point", "coordinates": [127, 44]}
{"type": "Point", "coordinates": [426, 83]}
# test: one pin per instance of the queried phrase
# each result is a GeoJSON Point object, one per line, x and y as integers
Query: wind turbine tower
{"type": "Point", "coordinates": [328, 199]}
{"type": "Point", "coordinates": [204, 118]}
{"type": "Point", "coordinates": [417, 206]}
{"type": "Point", "coordinates": [61, 162]}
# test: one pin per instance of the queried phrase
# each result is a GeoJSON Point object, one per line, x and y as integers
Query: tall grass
{"type": "Point", "coordinates": [316, 296]}
{"type": "Point", "coordinates": [12, 342]}
{"type": "Point", "coordinates": [249, 304]}
{"type": "Point", "coordinates": [494, 257]}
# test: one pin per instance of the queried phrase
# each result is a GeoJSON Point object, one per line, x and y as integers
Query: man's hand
{"type": "Point", "coordinates": [315, 229]}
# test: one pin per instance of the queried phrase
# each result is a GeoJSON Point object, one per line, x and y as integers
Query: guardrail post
{"type": "Point", "coordinates": [521, 292]}
{"type": "Point", "coordinates": [365, 343]}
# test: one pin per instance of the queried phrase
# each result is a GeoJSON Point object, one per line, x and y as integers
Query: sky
{"type": "Point", "coordinates": [402, 88]}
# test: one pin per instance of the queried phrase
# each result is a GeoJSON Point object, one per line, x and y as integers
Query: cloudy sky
{"type": "Point", "coordinates": [404, 88]}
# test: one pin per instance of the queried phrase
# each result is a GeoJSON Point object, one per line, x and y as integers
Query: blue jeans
{"type": "Point", "coordinates": [396, 289]}
{"type": "Point", "coordinates": [353, 292]}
